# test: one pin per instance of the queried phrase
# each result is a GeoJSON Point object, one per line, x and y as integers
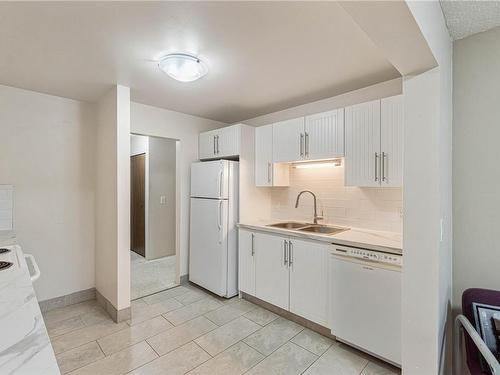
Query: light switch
{"type": "Point", "coordinates": [163, 199]}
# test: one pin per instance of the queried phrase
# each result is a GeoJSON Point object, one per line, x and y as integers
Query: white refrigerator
{"type": "Point", "coordinates": [213, 240]}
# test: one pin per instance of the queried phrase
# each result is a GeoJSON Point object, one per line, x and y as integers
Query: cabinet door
{"type": "Point", "coordinates": [391, 141]}
{"type": "Point", "coordinates": [207, 145]}
{"type": "Point", "coordinates": [362, 144]}
{"type": "Point", "coordinates": [228, 141]}
{"type": "Point", "coordinates": [288, 140]}
{"type": "Point", "coordinates": [309, 280]}
{"type": "Point", "coordinates": [271, 272]}
{"type": "Point", "coordinates": [264, 155]}
{"type": "Point", "coordinates": [324, 134]}
{"type": "Point", "coordinates": [246, 262]}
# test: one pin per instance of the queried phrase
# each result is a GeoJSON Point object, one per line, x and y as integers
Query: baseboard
{"type": "Point", "coordinates": [290, 316]}
{"type": "Point", "coordinates": [184, 279]}
{"type": "Point", "coordinates": [117, 315]}
{"type": "Point", "coordinates": [68, 299]}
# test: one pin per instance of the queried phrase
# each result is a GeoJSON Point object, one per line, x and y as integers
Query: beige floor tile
{"type": "Point", "coordinates": [223, 337]}
{"type": "Point", "coordinates": [235, 360]}
{"type": "Point", "coordinates": [271, 337]}
{"type": "Point", "coordinates": [82, 336]}
{"type": "Point", "coordinates": [312, 341]}
{"type": "Point", "coordinates": [79, 357]}
{"type": "Point", "coordinates": [55, 329]}
{"type": "Point", "coordinates": [191, 311]}
{"type": "Point", "coordinates": [191, 296]}
{"type": "Point", "coordinates": [380, 368]}
{"type": "Point", "coordinates": [242, 305]}
{"type": "Point", "coordinates": [176, 362]}
{"type": "Point", "coordinates": [134, 334]}
{"type": "Point", "coordinates": [290, 359]}
{"type": "Point", "coordinates": [120, 362]}
{"type": "Point", "coordinates": [95, 317]}
{"type": "Point", "coordinates": [180, 335]}
{"type": "Point", "coordinates": [261, 316]}
{"type": "Point", "coordinates": [143, 312]}
{"type": "Point", "coordinates": [223, 315]}
{"type": "Point", "coordinates": [72, 311]}
{"type": "Point", "coordinates": [166, 294]}
{"type": "Point", "coordinates": [338, 360]}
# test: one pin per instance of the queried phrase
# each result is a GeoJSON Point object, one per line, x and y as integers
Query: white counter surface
{"type": "Point", "coordinates": [24, 343]}
{"type": "Point", "coordinates": [363, 238]}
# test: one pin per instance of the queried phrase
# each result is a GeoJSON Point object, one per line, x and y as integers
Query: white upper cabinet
{"type": "Point", "coordinates": [324, 135]}
{"type": "Point", "coordinates": [391, 141]}
{"type": "Point", "coordinates": [362, 144]}
{"type": "Point", "coordinates": [268, 173]}
{"type": "Point", "coordinates": [374, 143]}
{"type": "Point", "coordinates": [220, 143]}
{"type": "Point", "coordinates": [288, 140]}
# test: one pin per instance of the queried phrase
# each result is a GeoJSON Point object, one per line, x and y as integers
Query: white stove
{"type": "Point", "coordinates": [10, 258]}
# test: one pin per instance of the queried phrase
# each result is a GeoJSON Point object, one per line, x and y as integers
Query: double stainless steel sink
{"type": "Point", "coordinates": [311, 228]}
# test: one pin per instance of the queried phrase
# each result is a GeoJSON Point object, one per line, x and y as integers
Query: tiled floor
{"type": "Point", "coordinates": [150, 276]}
{"type": "Point", "coordinates": [185, 330]}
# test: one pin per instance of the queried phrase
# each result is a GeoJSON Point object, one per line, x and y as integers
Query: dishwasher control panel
{"type": "Point", "coordinates": [369, 255]}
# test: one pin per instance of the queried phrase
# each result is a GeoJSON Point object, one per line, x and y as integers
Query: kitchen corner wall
{"type": "Point", "coordinates": [368, 208]}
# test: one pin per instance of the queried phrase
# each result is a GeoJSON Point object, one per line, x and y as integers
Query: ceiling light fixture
{"type": "Point", "coordinates": [183, 67]}
{"type": "Point", "coordinates": [324, 164]}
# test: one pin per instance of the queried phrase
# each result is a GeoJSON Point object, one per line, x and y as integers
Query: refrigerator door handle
{"type": "Point", "coordinates": [219, 221]}
{"type": "Point", "coordinates": [221, 175]}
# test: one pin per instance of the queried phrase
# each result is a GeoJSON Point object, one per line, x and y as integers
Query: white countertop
{"type": "Point", "coordinates": [357, 237]}
{"type": "Point", "coordinates": [24, 343]}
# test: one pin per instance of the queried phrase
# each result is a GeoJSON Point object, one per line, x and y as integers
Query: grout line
{"type": "Point", "coordinates": [363, 369]}
{"type": "Point", "coordinates": [100, 347]}
{"type": "Point", "coordinates": [151, 346]}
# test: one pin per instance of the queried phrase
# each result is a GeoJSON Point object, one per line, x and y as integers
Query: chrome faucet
{"type": "Point", "coordinates": [316, 216]}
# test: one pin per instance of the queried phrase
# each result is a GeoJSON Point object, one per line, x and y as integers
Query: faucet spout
{"type": "Point", "coordinates": [316, 216]}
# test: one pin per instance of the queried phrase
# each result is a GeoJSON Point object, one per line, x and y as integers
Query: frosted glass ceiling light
{"type": "Point", "coordinates": [183, 67]}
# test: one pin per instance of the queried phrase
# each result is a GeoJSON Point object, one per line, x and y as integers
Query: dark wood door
{"type": "Point", "coordinates": [137, 204]}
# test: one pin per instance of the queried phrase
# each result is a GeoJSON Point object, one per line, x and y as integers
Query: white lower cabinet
{"type": "Point", "coordinates": [271, 270]}
{"type": "Point", "coordinates": [286, 272]}
{"type": "Point", "coordinates": [309, 280]}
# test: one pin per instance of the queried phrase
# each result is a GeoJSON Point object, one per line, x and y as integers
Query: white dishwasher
{"type": "Point", "coordinates": [365, 303]}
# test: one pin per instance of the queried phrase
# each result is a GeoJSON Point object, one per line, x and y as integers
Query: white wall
{"type": "Point", "coordinates": [112, 222]}
{"type": "Point", "coordinates": [162, 182]}
{"type": "Point", "coordinates": [47, 147]}
{"type": "Point", "coordinates": [138, 144]}
{"type": "Point", "coordinates": [476, 177]}
{"type": "Point", "coordinates": [427, 200]}
{"type": "Point", "coordinates": [159, 122]}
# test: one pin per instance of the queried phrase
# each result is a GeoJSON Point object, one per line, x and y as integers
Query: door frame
{"type": "Point", "coordinates": [177, 201]}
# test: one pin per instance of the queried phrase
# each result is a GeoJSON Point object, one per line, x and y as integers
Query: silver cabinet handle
{"type": "Point", "coordinates": [269, 172]}
{"type": "Point", "coordinates": [301, 144]}
{"type": "Point", "coordinates": [214, 145]}
{"type": "Point", "coordinates": [376, 166]}
{"type": "Point", "coordinates": [384, 157]}
{"type": "Point", "coordinates": [253, 240]}
{"type": "Point", "coordinates": [285, 252]}
{"type": "Point", "coordinates": [217, 145]}
{"type": "Point", "coordinates": [306, 144]}
{"type": "Point", "coordinates": [290, 253]}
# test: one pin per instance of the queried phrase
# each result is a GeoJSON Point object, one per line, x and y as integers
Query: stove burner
{"type": "Point", "coordinates": [4, 250]}
{"type": "Point", "coordinates": [5, 265]}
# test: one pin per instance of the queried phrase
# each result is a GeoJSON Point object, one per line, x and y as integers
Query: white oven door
{"type": "Point", "coordinates": [366, 306]}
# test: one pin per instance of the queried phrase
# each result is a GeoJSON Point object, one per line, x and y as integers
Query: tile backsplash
{"type": "Point", "coordinates": [368, 208]}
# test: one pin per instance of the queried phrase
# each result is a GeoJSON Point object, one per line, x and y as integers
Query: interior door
{"type": "Point", "coordinates": [208, 244]}
{"type": "Point", "coordinates": [362, 144]}
{"type": "Point", "coordinates": [246, 251]}
{"type": "Point", "coordinates": [392, 122]}
{"type": "Point", "coordinates": [264, 155]}
{"type": "Point", "coordinates": [137, 204]}
{"type": "Point", "coordinates": [309, 280]}
{"type": "Point", "coordinates": [271, 270]}
{"type": "Point", "coordinates": [210, 179]}
{"type": "Point", "coordinates": [288, 140]}
{"type": "Point", "coordinates": [325, 135]}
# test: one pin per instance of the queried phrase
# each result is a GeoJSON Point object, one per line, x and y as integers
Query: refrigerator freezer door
{"type": "Point", "coordinates": [210, 179]}
{"type": "Point", "coordinates": [208, 244]}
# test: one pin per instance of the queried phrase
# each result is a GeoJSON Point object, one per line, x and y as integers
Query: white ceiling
{"type": "Point", "coordinates": [262, 56]}
{"type": "Point", "coordinates": [465, 18]}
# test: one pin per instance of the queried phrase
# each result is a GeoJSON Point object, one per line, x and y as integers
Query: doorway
{"type": "Point", "coordinates": [153, 214]}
